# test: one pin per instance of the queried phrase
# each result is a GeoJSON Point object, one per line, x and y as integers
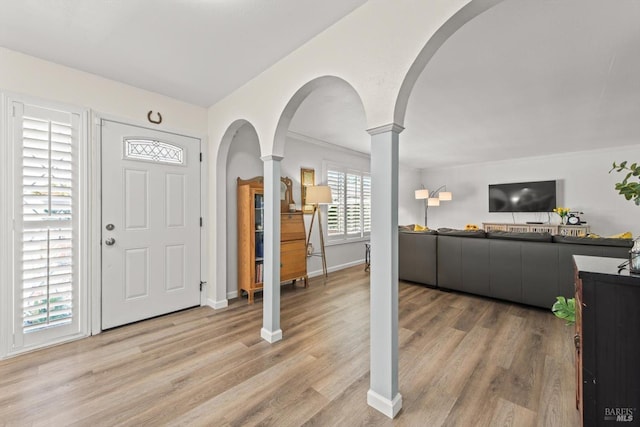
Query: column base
{"type": "Point", "coordinates": [388, 407]}
{"type": "Point", "coordinates": [217, 305]}
{"type": "Point", "coordinates": [271, 337]}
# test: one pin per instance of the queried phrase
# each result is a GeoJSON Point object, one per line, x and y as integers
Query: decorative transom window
{"type": "Point", "coordinates": [154, 151]}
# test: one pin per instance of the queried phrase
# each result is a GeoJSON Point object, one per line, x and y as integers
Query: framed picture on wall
{"type": "Point", "coordinates": [307, 177]}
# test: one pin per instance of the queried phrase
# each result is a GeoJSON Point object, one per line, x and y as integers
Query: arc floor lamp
{"type": "Point", "coordinates": [317, 195]}
{"type": "Point", "coordinates": [433, 198]}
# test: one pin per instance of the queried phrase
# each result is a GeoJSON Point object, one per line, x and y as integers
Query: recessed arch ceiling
{"type": "Point", "coordinates": [333, 114]}
{"type": "Point", "coordinates": [525, 78]}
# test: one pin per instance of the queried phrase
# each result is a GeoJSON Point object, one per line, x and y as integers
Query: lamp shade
{"type": "Point", "coordinates": [445, 195]}
{"type": "Point", "coordinates": [433, 201]}
{"type": "Point", "coordinates": [317, 194]}
{"type": "Point", "coordinates": [422, 194]}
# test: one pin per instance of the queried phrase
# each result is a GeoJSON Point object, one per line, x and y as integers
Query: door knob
{"type": "Point", "coordinates": [110, 241]}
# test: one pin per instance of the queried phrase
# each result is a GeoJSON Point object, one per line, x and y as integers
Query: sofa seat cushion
{"type": "Point", "coordinates": [525, 236]}
{"type": "Point", "coordinates": [598, 241]}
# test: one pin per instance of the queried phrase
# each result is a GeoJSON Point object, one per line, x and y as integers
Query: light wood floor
{"type": "Point", "coordinates": [464, 361]}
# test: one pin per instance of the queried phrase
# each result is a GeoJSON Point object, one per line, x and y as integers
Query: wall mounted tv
{"type": "Point", "coordinates": [537, 196]}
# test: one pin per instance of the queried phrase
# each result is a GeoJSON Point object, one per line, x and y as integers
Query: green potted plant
{"type": "Point", "coordinates": [565, 309]}
{"type": "Point", "coordinates": [628, 188]}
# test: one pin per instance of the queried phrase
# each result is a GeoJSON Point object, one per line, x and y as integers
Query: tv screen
{"type": "Point", "coordinates": [538, 196]}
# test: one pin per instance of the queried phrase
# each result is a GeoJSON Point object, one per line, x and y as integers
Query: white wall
{"type": "Point", "coordinates": [584, 184]}
{"type": "Point", "coordinates": [243, 161]}
{"type": "Point", "coordinates": [35, 77]}
{"type": "Point", "coordinates": [305, 154]}
{"type": "Point", "coordinates": [314, 155]}
{"type": "Point", "coordinates": [409, 209]}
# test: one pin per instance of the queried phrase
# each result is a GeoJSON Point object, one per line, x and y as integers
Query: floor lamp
{"type": "Point", "coordinates": [316, 195]}
{"type": "Point", "coordinates": [432, 198]}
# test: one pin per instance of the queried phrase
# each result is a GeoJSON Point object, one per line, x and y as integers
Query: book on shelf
{"type": "Point", "coordinates": [259, 270]}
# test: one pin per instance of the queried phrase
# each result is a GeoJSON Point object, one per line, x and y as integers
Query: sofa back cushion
{"type": "Point", "coordinates": [599, 241]}
{"type": "Point", "coordinates": [461, 233]}
{"type": "Point", "coordinates": [524, 236]}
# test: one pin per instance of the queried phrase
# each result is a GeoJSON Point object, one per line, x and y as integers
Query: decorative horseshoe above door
{"type": "Point", "coordinates": [154, 121]}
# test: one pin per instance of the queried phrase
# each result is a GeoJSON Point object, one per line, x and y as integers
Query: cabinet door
{"type": "Point", "coordinates": [293, 260]}
{"type": "Point", "coordinates": [578, 342]}
{"type": "Point", "coordinates": [292, 227]}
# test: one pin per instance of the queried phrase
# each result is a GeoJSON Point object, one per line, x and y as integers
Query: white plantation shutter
{"type": "Point", "coordinates": [354, 205]}
{"type": "Point", "coordinates": [366, 204]}
{"type": "Point", "coordinates": [335, 211]}
{"type": "Point", "coordinates": [349, 216]}
{"type": "Point", "coordinates": [47, 197]}
{"type": "Point", "coordinates": [46, 225]}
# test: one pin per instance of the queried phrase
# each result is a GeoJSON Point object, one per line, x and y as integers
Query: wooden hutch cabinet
{"type": "Point", "coordinates": [293, 253]}
{"type": "Point", "coordinates": [607, 342]}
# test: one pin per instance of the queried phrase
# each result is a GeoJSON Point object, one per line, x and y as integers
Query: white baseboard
{"type": "Point", "coordinates": [216, 305]}
{"type": "Point", "coordinates": [271, 337]}
{"type": "Point", "coordinates": [336, 268]}
{"type": "Point", "coordinates": [388, 407]}
{"type": "Point", "coordinates": [234, 294]}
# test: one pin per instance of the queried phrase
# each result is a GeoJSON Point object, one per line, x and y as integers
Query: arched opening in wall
{"type": "Point", "coordinates": [243, 161]}
{"type": "Point", "coordinates": [323, 131]}
{"type": "Point", "coordinates": [520, 91]}
{"type": "Point", "coordinates": [239, 144]}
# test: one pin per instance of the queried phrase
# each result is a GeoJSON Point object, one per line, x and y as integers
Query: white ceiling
{"type": "Point", "coordinates": [195, 50]}
{"type": "Point", "coordinates": [528, 77]}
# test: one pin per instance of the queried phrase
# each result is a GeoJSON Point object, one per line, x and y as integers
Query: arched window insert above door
{"type": "Point", "coordinates": [153, 151]}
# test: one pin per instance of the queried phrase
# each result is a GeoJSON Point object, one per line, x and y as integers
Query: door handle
{"type": "Point", "coordinates": [110, 241]}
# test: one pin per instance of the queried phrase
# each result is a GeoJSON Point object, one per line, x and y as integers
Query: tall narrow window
{"type": "Point", "coordinates": [349, 216]}
{"type": "Point", "coordinates": [47, 225]}
{"type": "Point", "coordinates": [47, 212]}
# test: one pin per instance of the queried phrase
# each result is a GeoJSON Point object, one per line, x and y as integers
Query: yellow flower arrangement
{"type": "Point", "coordinates": [563, 212]}
{"type": "Point", "coordinates": [471, 227]}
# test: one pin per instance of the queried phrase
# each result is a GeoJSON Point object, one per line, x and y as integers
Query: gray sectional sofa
{"type": "Point", "coordinates": [528, 268]}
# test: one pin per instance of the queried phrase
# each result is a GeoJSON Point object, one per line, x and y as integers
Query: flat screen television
{"type": "Point", "coordinates": [536, 196]}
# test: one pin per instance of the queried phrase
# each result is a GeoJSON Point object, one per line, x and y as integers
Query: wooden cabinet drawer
{"type": "Point", "coordinates": [293, 260]}
{"type": "Point", "coordinates": [292, 226]}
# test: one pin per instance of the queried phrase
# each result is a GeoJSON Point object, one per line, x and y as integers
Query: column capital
{"type": "Point", "coordinates": [272, 157]}
{"type": "Point", "coordinates": [391, 127]}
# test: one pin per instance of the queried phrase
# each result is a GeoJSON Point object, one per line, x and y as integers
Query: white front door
{"type": "Point", "coordinates": [150, 223]}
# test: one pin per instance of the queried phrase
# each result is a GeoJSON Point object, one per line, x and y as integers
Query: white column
{"type": "Point", "coordinates": [383, 393]}
{"type": "Point", "coordinates": [271, 331]}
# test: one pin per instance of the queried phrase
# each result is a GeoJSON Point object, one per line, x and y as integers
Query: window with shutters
{"type": "Point", "coordinates": [349, 216]}
{"type": "Point", "coordinates": [45, 147]}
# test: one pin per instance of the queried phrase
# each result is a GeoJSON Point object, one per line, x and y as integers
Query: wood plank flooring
{"type": "Point", "coordinates": [464, 361]}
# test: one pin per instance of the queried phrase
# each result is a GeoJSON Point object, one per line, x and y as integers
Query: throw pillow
{"type": "Point", "coordinates": [625, 235]}
{"type": "Point", "coordinates": [418, 227]}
